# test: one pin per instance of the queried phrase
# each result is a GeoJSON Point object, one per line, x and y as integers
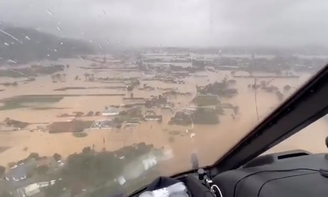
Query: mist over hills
{"type": "Point", "coordinates": [19, 45]}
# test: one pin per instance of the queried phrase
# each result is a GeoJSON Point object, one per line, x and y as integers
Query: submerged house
{"type": "Point", "coordinates": [110, 112]}
{"type": "Point", "coordinates": [17, 173]}
{"type": "Point", "coordinates": [105, 124]}
{"type": "Point", "coordinates": [132, 123]}
{"type": "Point", "coordinates": [158, 118]}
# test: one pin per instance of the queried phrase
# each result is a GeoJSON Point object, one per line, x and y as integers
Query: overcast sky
{"type": "Point", "coordinates": [176, 22]}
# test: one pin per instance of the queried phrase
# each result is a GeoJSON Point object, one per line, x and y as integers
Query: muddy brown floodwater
{"type": "Point", "coordinates": [210, 142]}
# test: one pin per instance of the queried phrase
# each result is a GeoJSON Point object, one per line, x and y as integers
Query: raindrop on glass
{"type": "Point", "coordinates": [6, 44]}
{"type": "Point", "coordinates": [81, 58]}
{"type": "Point", "coordinates": [11, 61]}
{"type": "Point", "coordinates": [27, 38]}
{"type": "Point", "coordinates": [50, 13]}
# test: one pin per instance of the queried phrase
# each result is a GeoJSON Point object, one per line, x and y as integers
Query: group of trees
{"type": "Point", "coordinates": [200, 116]}
{"type": "Point", "coordinates": [221, 89]}
{"type": "Point", "coordinates": [58, 77]}
{"type": "Point", "coordinates": [92, 169]}
{"type": "Point", "coordinates": [10, 84]}
{"type": "Point", "coordinates": [88, 169]}
{"type": "Point", "coordinates": [39, 169]}
{"type": "Point", "coordinates": [89, 77]}
{"type": "Point", "coordinates": [133, 83]}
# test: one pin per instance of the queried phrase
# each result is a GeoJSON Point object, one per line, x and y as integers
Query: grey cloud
{"type": "Point", "coordinates": [176, 22]}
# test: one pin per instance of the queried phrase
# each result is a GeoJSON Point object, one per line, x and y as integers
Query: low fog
{"type": "Point", "coordinates": [176, 22]}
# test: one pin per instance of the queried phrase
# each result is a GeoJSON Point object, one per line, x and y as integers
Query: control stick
{"type": "Point", "coordinates": [201, 174]}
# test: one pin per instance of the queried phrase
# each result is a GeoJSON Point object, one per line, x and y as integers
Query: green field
{"type": "Point", "coordinates": [23, 101]}
{"type": "Point", "coordinates": [89, 88]}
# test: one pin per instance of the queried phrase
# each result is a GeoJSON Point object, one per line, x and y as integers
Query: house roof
{"type": "Point", "coordinates": [18, 173]}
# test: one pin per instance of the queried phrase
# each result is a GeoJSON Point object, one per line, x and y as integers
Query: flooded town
{"type": "Point", "coordinates": [99, 98]}
{"type": "Point", "coordinates": [63, 122]}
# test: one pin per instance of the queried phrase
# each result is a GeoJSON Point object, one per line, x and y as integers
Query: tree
{"type": "Point", "coordinates": [129, 88]}
{"type": "Point", "coordinates": [92, 169]}
{"type": "Point", "coordinates": [280, 96]}
{"type": "Point", "coordinates": [33, 156]}
{"type": "Point", "coordinates": [78, 114]}
{"type": "Point", "coordinates": [2, 170]}
{"type": "Point", "coordinates": [58, 76]}
{"type": "Point", "coordinates": [86, 150]}
{"type": "Point", "coordinates": [90, 113]}
{"type": "Point", "coordinates": [64, 76]}
{"type": "Point", "coordinates": [287, 88]}
{"type": "Point", "coordinates": [86, 76]}
{"type": "Point", "coordinates": [42, 170]}
{"type": "Point", "coordinates": [123, 113]}
{"type": "Point", "coordinates": [57, 157]}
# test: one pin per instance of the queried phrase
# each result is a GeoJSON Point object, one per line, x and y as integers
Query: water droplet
{"type": "Point", "coordinates": [50, 13]}
{"type": "Point", "coordinates": [59, 28]}
{"type": "Point", "coordinates": [55, 50]}
{"type": "Point", "coordinates": [6, 44]}
{"type": "Point", "coordinates": [100, 46]}
{"type": "Point", "coordinates": [81, 58]}
{"type": "Point", "coordinates": [27, 38]}
{"type": "Point", "coordinates": [107, 41]}
{"type": "Point", "coordinates": [48, 55]}
{"type": "Point", "coordinates": [61, 43]}
{"type": "Point", "coordinates": [104, 12]}
{"type": "Point", "coordinates": [11, 61]}
{"type": "Point", "coordinates": [91, 41]}
{"type": "Point", "coordinates": [13, 37]}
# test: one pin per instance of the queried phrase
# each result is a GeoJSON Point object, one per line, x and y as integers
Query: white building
{"type": "Point", "coordinates": [110, 112]}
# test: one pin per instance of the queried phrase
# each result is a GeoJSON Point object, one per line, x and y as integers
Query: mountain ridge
{"type": "Point", "coordinates": [20, 45]}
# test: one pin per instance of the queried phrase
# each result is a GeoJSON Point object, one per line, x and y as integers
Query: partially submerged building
{"type": "Point", "coordinates": [132, 123]}
{"type": "Point", "coordinates": [105, 124]}
{"type": "Point", "coordinates": [158, 118]}
{"type": "Point", "coordinates": [111, 112]}
{"type": "Point", "coordinates": [17, 173]}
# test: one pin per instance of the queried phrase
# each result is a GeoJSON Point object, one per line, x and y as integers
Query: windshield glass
{"type": "Point", "coordinates": [102, 96]}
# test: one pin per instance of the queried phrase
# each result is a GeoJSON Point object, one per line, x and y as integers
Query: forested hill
{"type": "Point", "coordinates": [23, 45]}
